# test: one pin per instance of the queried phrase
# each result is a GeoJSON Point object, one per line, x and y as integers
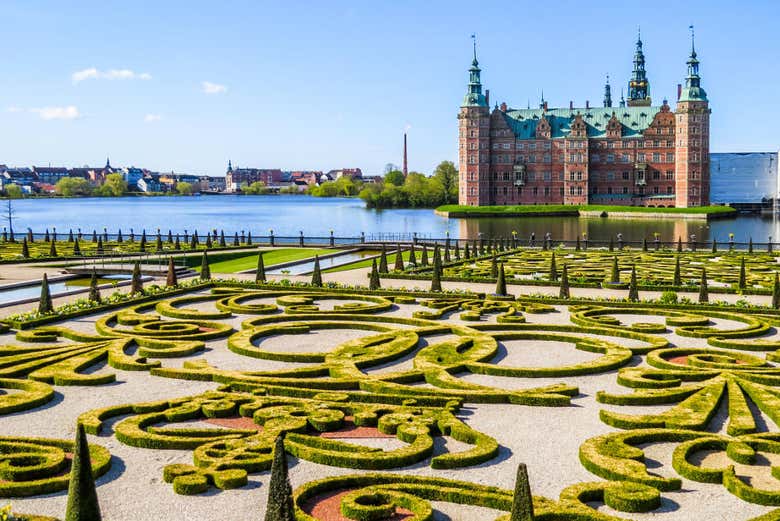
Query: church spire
{"type": "Point", "coordinates": [607, 94]}
{"type": "Point", "coordinates": [230, 166]}
{"type": "Point", "coordinates": [474, 96]}
{"type": "Point", "coordinates": [692, 90]}
{"type": "Point", "coordinates": [638, 86]}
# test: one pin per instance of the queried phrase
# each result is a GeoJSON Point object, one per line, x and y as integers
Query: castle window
{"type": "Point", "coordinates": [656, 157]}
{"type": "Point", "coordinates": [669, 190]}
{"type": "Point", "coordinates": [535, 191]}
{"type": "Point", "coordinates": [495, 146]}
{"type": "Point", "coordinates": [547, 176]}
{"type": "Point", "coordinates": [670, 157]}
{"type": "Point", "coordinates": [625, 176]}
{"type": "Point", "coordinates": [609, 190]}
{"type": "Point", "coordinates": [532, 146]}
{"type": "Point", "coordinates": [579, 176]}
{"type": "Point", "coordinates": [560, 176]}
{"type": "Point", "coordinates": [579, 190]}
{"type": "Point", "coordinates": [547, 158]}
{"type": "Point", "coordinates": [670, 175]}
{"type": "Point", "coordinates": [520, 146]}
{"type": "Point", "coordinates": [656, 175]}
{"type": "Point", "coordinates": [547, 190]}
{"type": "Point", "coordinates": [547, 145]}
{"type": "Point", "coordinates": [640, 157]}
{"type": "Point", "coordinates": [561, 191]}
{"type": "Point", "coordinates": [595, 158]}
{"type": "Point", "coordinates": [520, 158]}
{"type": "Point", "coordinates": [571, 176]}
{"type": "Point", "coordinates": [571, 190]}
{"type": "Point", "coordinates": [625, 189]}
{"type": "Point", "coordinates": [532, 158]}
{"type": "Point", "coordinates": [505, 191]}
{"type": "Point", "coordinates": [610, 158]}
{"type": "Point", "coordinates": [506, 146]}
{"type": "Point", "coordinates": [655, 189]}
{"type": "Point", "coordinates": [625, 158]}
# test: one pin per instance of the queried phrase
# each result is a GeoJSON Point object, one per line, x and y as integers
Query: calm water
{"type": "Point", "coordinates": [288, 215]}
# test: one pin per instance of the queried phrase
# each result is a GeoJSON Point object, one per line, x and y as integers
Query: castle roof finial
{"type": "Point", "coordinates": [474, 43]}
{"type": "Point", "coordinates": [693, 42]}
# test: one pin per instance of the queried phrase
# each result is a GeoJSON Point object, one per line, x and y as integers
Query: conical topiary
{"type": "Point", "coordinates": [222, 243]}
{"type": "Point", "coordinates": [436, 277]}
{"type": "Point", "coordinates": [136, 284]}
{"type": "Point", "coordinates": [171, 280]}
{"type": "Point", "coordinates": [76, 247]}
{"type": "Point", "coordinates": [82, 494]}
{"type": "Point", "coordinates": [158, 242]}
{"type": "Point", "coordinates": [424, 256]}
{"type": "Point", "coordinates": [633, 292]}
{"type": "Point", "coordinates": [170, 237]}
{"type": "Point", "coordinates": [205, 270]}
{"type": "Point", "coordinates": [94, 292]}
{"type": "Point", "coordinates": [142, 245]}
{"type": "Point", "coordinates": [564, 291]}
{"type": "Point", "coordinates": [235, 240]}
{"type": "Point", "coordinates": [677, 280]}
{"type": "Point", "coordinates": [53, 249]}
{"type": "Point", "coordinates": [316, 275]}
{"type": "Point", "coordinates": [776, 293]}
{"type": "Point", "coordinates": [177, 243]}
{"type": "Point", "coordinates": [99, 249]}
{"type": "Point", "coordinates": [412, 256]}
{"type": "Point", "coordinates": [679, 244]}
{"type": "Point", "coordinates": [249, 238]}
{"type": "Point", "coordinates": [577, 244]}
{"type": "Point", "coordinates": [447, 257]}
{"type": "Point", "coordinates": [399, 259]}
{"type": "Point", "coordinates": [750, 245]}
{"type": "Point", "coordinates": [644, 244]}
{"type": "Point", "coordinates": [501, 282]}
{"type": "Point", "coordinates": [119, 238]}
{"type": "Point", "coordinates": [714, 245]}
{"type": "Point", "coordinates": [523, 501]}
{"type": "Point", "coordinates": [493, 266]}
{"type": "Point", "coordinates": [611, 244]}
{"type": "Point", "coordinates": [280, 497]}
{"type": "Point", "coordinates": [373, 280]}
{"type": "Point", "coordinates": [260, 271]}
{"type": "Point", "coordinates": [383, 260]}
{"type": "Point", "coordinates": [208, 241]}
{"type": "Point", "coordinates": [614, 277]}
{"type": "Point", "coordinates": [553, 269]}
{"type": "Point", "coordinates": [94, 236]}
{"type": "Point", "coordinates": [704, 295]}
{"type": "Point", "coordinates": [44, 303]}
{"type": "Point", "coordinates": [742, 275]}
{"type": "Point", "coordinates": [25, 249]}
{"type": "Point", "coordinates": [457, 251]}
{"type": "Point", "coordinates": [466, 252]}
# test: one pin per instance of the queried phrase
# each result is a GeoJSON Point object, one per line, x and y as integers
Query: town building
{"type": "Point", "coordinates": [235, 178]}
{"type": "Point", "coordinates": [634, 153]}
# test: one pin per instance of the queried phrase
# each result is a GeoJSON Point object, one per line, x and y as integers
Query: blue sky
{"type": "Point", "coordinates": [186, 86]}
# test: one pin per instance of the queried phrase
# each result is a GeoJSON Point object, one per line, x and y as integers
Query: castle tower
{"type": "Point", "coordinates": [474, 141]}
{"type": "Point", "coordinates": [638, 86]}
{"type": "Point", "coordinates": [692, 135]}
{"type": "Point", "coordinates": [607, 94]}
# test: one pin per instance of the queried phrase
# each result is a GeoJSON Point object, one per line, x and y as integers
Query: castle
{"type": "Point", "coordinates": [634, 154]}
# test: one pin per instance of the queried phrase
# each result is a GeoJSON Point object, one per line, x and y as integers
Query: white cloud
{"type": "Point", "coordinates": [111, 74]}
{"type": "Point", "coordinates": [213, 88]}
{"type": "Point", "coordinates": [49, 113]}
{"type": "Point", "coordinates": [14, 109]}
{"type": "Point", "coordinates": [151, 118]}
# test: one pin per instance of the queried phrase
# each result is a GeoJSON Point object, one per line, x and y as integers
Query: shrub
{"type": "Point", "coordinates": [668, 297]}
{"type": "Point", "coordinates": [44, 303]}
{"type": "Point", "coordinates": [136, 284]}
{"type": "Point", "coordinates": [522, 502]}
{"type": "Point", "coordinates": [316, 275]}
{"type": "Point", "coordinates": [171, 279]}
{"type": "Point", "coordinates": [373, 281]}
{"type": "Point", "coordinates": [260, 271]}
{"type": "Point", "coordinates": [94, 292]}
{"type": "Point", "coordinates": [82, 495]}
{"type": "Point", "coordinates": [205, 270]}
{"type": "Point", "coordinates": [280, 505]}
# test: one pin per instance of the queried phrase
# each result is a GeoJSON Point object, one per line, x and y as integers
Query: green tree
{"type": "Point", "coordinates": [633, 292]}
{"type": "Point", "coordinates": [614, 277]}
{"type": "Point", "coordinates": [94, 291]}
{"type": "Point", "coordinates": [436, 277]}
{"type": "Point", "coordinates": [280, 497]}
{"type": "Point", "coordinates": [82, 494]}
{"type": "Point", "coordinates": [373, 280]}
{"type": "Point", "coordinates": [742, 274]}
{"type": "Point", "coordinates": [399, 259]}
{"type": "Point", "coordinates": [260, 272]}
{"type": "Point", "coordinates": [256, 188]}
{"type": "Point", "coordinates": [184, 188]}
{"type": "Point", "coordinates": [13, 191]}
{"type": "Point", "coordinates": [383, 260]}
{"type": "Point", "coordinates": [73, 187]}
{"type": "Point", "coordinates": [44, 303]}
{"type": "Point", "coordinates": [205, 270]}
{"type": "Point", "coordinates": [447, 175]}
{"type": "Point", "coordinates": [523, 501]}
{"type": "Point", "coordinates": [316, 275]}
{"type": "Point", "coordinates": [501, 282]}
{"type": "Point", "coordinates": [394, 177]}
{"type": "Point", "coordinates": [704, 295]}
{"type": "Point", "coordinates": [114, 186]}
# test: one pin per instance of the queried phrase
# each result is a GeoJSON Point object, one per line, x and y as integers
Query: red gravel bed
{"type": "Point", "coordinates": [327, 507]}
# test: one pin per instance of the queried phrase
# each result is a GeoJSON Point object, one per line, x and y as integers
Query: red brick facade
{"type": "Point", "coordinates": [635, 155]}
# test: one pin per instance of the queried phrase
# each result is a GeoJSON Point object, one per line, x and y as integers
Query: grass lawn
{"type": "Point", "coordinates": [574, 209]}
{"type": "Point", "coordinates": [270, 257]}
{"type": "Point", "coordinates": [367, 263]}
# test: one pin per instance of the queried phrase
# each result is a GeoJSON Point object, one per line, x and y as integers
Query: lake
{"type": "Point", "coordinates": [287, 215]}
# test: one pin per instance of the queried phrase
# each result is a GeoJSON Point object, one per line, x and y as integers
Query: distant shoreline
{"type": "Point", "coordinates": [615, 212]}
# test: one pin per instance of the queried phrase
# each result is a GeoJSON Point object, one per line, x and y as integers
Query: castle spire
{"type": "Point", "coordinates": [622, 99]}
{"type": "Point", "coordinates": [638, 86]}
{"type": "Point", "coordinates": [230, 166]}
{"type": "Point", "coordinates": [607, 94]}
{"type": "Point", "coordinates": [692, 90]}
{"type": "Point", "coordinates": [474, 96]}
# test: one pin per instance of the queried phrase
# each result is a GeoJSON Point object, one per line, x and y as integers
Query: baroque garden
{"type": "Point", "coordinates": [621, 377]}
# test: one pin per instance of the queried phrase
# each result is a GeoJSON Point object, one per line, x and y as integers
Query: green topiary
{"type": "Point", "coordinates": [703, 293]}
{"type": "Point", "coordinates": [523, 501]}
{"type": "Point", "coordinates": [677, 280]}
{"type": "Point", "coordinates": [750, 245]}
{"type": "Point", "coordinates": [742, 284]}
{"type": "Point", "coordinates": [373, 281]}
{"type": "Point", "coordinates": [76, 248]}
{"type": "Point", "coordinates": [412, 256]}
{"type": "Point", "coordinates": [501, 282]}
{"type": "Point", "coordinates": [493, 266]}
{"type": "Point", "coordinates": [82, 494]}
{"type": "Point", "coordinates": [99, 249]}
{"type": "Point", "coordinates": [260, 271]}
{"type": "Point", "coordinates": [633, 293]}
{"type": "Point", "coordinates": [316, 275]}
{"type": "Point", "coordinates": [383, 260]}
{"type": "Point", "coordinates": [399, 259]}
{"type": "Point", "coordinates": [776, 293]}
{"type": "Point", "coordinates": [714, 245]}
{"type": "Point", "coordinates": [436, 277]}
{"type": "Point", "coordinates": [553, 269]}
{"type": "Point", "coordinates": [280, 505]}
{"type": "Point", "coordinates": [614, 277]}
{"type": "Point", "coordinates": [205, 270]}
{"type": "Point", "coordinates": [466, 252]}
{"type": "Point", "coordinates": [136, 284]}
{"type": "Point", "coordinates": [679, 244]}
{"type": "Point", "coordinates": [611, 244]}
{"type": "Point", "coordinates": [158, 242]}
{"type": "Point", "coordinates": [53, 249]}
{"type": "Point", "coordinates": [44, 304]}
{"type": "Point", "coordinates": [25, 249]}
{"type": "Point", "coordinates": [171, 279]}
{"type": "Point", "coordinates": [644, 244]}
{"type": "Point", "coordinates": [142, 246]}
{"type": "Point", "coordinates": [577, 244]}
{"type": "Point", "coordinates": [94, 292]}
{"type": "Point", "coordinates": [564, 292]}
{"type": "Point", "coordinates": [424, 256]}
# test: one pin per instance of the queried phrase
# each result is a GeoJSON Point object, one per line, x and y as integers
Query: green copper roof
{"type": "Point", "coordinates": [634, 120]}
